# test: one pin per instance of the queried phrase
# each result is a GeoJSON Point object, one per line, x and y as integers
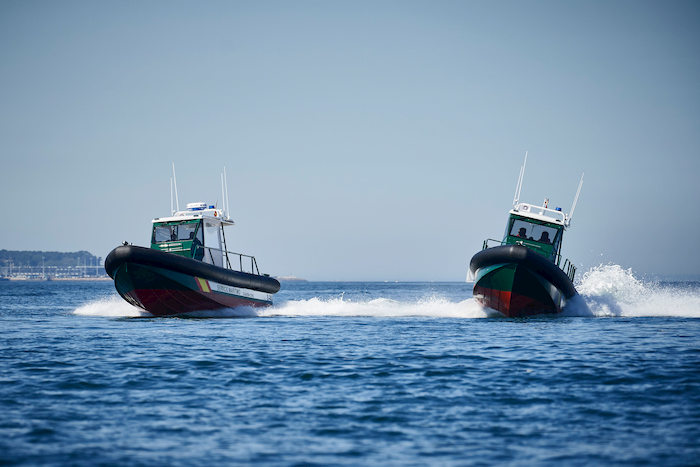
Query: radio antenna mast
{"type": "Point", "coordinates": [519, 186]}
{"type": "Point", "coordinates": [228, 216]}
{"type": "Point", "coordinates": [571, 214]}
{"type": "Point", "coordinates": [177, 203]}
{"type": "Point", "coordinates": [223, 196]}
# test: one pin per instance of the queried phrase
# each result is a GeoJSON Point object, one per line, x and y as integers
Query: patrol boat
{"type": "Point", "coordinates": [188, 267]}
{"type": "Point", "coordinates": [522, 275]}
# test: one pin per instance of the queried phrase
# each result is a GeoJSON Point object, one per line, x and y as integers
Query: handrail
{"type": "Point", "coordinates": [253, 262]}
{"type": "Point", "coordinates": [486, 243]}
{"type": "Point", "coordinates": [569, 269]}
{"type": "Point", "coordinates": [529, 245]}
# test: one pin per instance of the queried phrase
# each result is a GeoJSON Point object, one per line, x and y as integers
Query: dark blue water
{"type": "Point", "coordinates": [350, 374]}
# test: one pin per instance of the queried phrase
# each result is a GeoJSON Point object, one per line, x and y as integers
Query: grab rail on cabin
{"type": "Point", "coordinates": [225, 256]}
{"type": "Point", "coordinates": [486, 243]}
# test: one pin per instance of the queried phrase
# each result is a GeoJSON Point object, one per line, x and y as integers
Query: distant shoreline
{"type": "Point", "coordinates": [53, 279]}
{"type": "Point", "coordinates": [290, 279]}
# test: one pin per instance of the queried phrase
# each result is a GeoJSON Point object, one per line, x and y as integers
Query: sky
{"type": "Point", "coordinates": [363, 140]}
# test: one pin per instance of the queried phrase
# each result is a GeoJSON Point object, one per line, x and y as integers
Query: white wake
{"type": "Point", "coordinates": [610, 290]}
{"type": "Point", "coordinates": [337, 306]}
{"type": "Point", "coordinates": [114, 306]}
{"type": "Point", "coordinates": [604, 291]}
{"type": "Point", "coordinates": [435, 307]}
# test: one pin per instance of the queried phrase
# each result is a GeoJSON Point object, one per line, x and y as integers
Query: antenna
{"type": "Point", "coordinates": [519, 186]}
{"type": "Point", "coordinates": [228, 216]}
{"type": "Point", "coordinates": [171, 196]}
{"type": "Point", "coordinates": [223, 196]}
{"type": "Point", "coordinates": [177, 203]}
{"type": "Point", "coordinates": [571, 214]}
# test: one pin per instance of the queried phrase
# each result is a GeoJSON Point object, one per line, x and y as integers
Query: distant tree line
{"type": "Point", "coordinates": [51, 258]}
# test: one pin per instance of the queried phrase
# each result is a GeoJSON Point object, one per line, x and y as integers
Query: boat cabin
{"type": "Point", "coordinates": [197, 233]}
{"type": "Point", "coordinates": [536, 227]}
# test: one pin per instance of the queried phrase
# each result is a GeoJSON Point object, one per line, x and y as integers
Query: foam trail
{"type": "Point", "coordinates": [113, 306]}
{"type": "Point", "coordinates": [610, 290]}
{"type": "Point", "coordinates": [431, 307]}
{"type": "Point", "coordinates": [382, 307]}
{"type": "Point", "coordinates": [605, 290]}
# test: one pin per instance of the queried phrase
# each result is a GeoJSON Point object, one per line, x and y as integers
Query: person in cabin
{"type": "Point", "coordinates": [522, 233]}
{"type": "Point", "coordinates": [544, 238]}
{"type": "Point", "coordinates": [197, 248]}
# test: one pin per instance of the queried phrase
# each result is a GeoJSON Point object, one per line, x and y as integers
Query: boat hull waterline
{"type": "Point", "coordinates": [165, 284]}
{"type": "Point", "coordinates": [519, 282]}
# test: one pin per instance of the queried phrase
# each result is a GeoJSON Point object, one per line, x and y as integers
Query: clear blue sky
{"type": "Point", "coordinates": [363, 140]}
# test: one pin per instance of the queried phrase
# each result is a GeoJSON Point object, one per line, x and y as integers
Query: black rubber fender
{"type": "Point", "coordinates": [150, 257]}
{"type": "Point", "coordinates": [521, 255]}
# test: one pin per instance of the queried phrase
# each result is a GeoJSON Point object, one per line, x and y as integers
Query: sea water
{"type": "Point", "coordinates": [362, 373]}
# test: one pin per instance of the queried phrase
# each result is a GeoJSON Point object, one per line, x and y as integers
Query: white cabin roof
{"type": "Point", "coordinates": [196, 211]}
{"type": "Point", "coordinates": [540, 213]}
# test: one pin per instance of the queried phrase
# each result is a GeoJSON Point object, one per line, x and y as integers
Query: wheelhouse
{"type": "Point", "coordinates": [196, 233]}
{"type": "Point", "coordinates": [537, 228]}
{"type": "Point", "coordinates": [179, 237]}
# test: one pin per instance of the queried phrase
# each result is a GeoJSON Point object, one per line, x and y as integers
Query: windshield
{"type": "Point", "coordinates": [531, 231]}
{"type": "Point", "coordinates": [183, 231]}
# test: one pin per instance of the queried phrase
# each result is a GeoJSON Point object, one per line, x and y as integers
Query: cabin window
{"type": "Point", "coordinates": [536, 232]}
{"type": "Point", "coordinates": [162, 233]}
{"type": "Point", "coordinates": [212, 242]}
{"type": "Point", "coordinates": [184, 231]}
{"type": "Point", "coordinates": [211, 235]}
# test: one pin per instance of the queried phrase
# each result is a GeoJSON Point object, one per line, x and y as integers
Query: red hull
{"type": "Point", "coordinates": [511, 304]}
{"type": "Point", "coordinates": [167, 302]}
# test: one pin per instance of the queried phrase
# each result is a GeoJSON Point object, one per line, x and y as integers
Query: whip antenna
{"type": "Point", "coordinates": [226, 184]}
{"type": "Point", "coordinates": [177, 203]}
{"type": "Point", "coordinates": [223, 197]}
{"type": "Point", "coordinates": [571, 214]}
{"type": "Point", "coordinates": [519, 186]}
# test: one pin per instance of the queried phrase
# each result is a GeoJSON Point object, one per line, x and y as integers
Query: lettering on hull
{"type": "Point", "coordinates": [230, 290]}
